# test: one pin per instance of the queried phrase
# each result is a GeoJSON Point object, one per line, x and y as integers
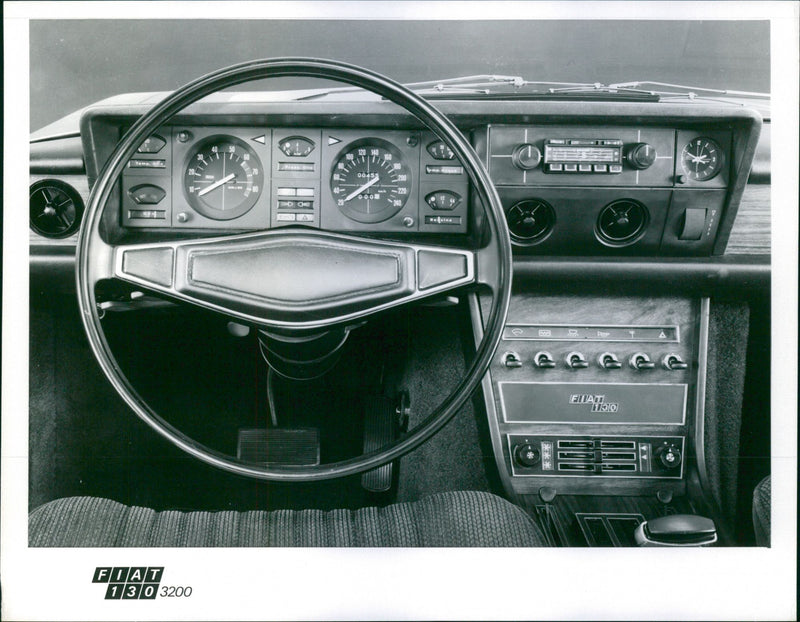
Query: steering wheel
{"type": "Point", "coordinates": [293, 279]}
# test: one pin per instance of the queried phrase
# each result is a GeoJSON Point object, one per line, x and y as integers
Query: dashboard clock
{"type": "Point", "coordinates": [702, 159]}
{"type": "Point", "coordinates": [370, 180]}
{"type": "Point", "coordinates": [223, 178]}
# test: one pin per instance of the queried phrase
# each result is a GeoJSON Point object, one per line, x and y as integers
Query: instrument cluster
{"type": "Point", "coordinates": [222, 177]}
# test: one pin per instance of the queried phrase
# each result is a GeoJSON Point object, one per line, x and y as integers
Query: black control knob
{"type": "Point", "coordinates": [641, 362]}
{"type": "Point", "coordinates": [527, 455]}
{"type": "Point", "coordinates": [640, 156]}
{"type": "Point", "coordinates": [544, 360]}
{"type": "Point", "coordinates": [607, 360]}
{"type": "Point", "coordinates": [669, 456]}
{"type": "Point", "coordinates": [576, 360]}
{"type": "Point", "coordinates": [526, 157]}
{"type": "Point", "coordinates": [512, 359]}
{"type": "Point", "coordinates": [674, 362]}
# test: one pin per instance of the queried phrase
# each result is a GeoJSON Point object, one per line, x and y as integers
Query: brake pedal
{"type": "Point", "coordinates": [380, 428]}
{"type": "Point", "coordinates": [286, 446]}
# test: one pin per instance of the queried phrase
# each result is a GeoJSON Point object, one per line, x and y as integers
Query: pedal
{"type": "Point", "coordinates": [380, 428]}
{"type": "Point", "coordinates": [287, 446]}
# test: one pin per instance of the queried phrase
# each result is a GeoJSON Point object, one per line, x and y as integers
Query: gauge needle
{"type": "Point", "coordinates": [357, 191]}
{"type": "Point", "coordinates": [216, 184]}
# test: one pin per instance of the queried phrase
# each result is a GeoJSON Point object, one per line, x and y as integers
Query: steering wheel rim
{"type": "Point", "coordinates": [498, 270]}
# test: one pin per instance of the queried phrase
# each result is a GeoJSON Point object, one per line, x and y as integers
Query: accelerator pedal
{"type": "Point", "coordinates": [286, 446]}
{"type": "Point", "coordinates": [380, 428]}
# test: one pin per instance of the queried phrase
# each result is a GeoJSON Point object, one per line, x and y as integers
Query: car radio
{"type": "Point", "coordinates": [582, 155]}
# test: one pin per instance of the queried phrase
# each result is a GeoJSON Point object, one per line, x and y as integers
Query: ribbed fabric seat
{"type": "Point", "coordinates": [762, 511]}
{"type": "Point", "coordinates": [457, 519]}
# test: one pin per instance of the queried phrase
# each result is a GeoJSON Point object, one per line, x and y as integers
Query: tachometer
{"type": "Point", "coordinates": [702, 159]}
{"type": "Point", "coordinates": [223, 178]}
{"type": "Point", "coordinates": [370, 180]}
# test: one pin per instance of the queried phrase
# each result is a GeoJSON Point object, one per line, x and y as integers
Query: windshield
{"type": "Point", "coordinates": [160, 55]}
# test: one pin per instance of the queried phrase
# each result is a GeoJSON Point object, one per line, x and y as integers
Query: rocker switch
{"type": "Point", "coordinates": [693, 224]}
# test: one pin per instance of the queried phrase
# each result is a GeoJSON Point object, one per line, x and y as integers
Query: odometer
{"type": "Point", "coordinates": [223, 178]}
{"type": "Point", "coordinates": [370, 180]}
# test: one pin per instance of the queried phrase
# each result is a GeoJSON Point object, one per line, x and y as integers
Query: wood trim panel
{"type": "Point", "coordinates": [751, 233]}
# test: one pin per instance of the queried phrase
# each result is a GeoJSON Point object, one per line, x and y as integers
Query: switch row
{"type": "Point", "coordinates": [639, 361]}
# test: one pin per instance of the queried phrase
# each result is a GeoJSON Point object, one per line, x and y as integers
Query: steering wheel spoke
{"type": "Point", "coordinates": [294, 279]}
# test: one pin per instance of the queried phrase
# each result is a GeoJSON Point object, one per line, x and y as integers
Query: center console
{"type": "Point", "coordinates": [593, 408]}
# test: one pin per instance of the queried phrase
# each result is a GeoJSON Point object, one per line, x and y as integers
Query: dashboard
{"type": "Point", "coordinates": [690, 205]}
{"type": "Point", "coordinates": [604, 179]}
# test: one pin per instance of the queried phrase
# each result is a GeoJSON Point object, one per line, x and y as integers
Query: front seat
{"type": "Point", "coordinates": [451, 519]}
{"type": "Point", "coordinates": [762, 500]}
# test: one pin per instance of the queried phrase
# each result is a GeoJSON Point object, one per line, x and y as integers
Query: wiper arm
{"type": "Point", "coordinates": [690, 91]}
{"type": "Point", "coordinates": [481, 84]}
{"type": "Point", "coordinates": [516, 87]}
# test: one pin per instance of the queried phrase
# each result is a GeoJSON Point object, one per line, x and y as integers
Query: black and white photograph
{"type": "Point", "coordinates": [400, 310]}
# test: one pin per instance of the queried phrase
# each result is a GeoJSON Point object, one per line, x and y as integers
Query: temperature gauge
{"type": "Point", "coordinates": [440, 151]}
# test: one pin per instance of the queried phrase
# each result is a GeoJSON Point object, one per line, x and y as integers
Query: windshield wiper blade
{"type": "Point", "coordinates": [690, 91]}
{"type": "Point", "coordinates": [480, 84]}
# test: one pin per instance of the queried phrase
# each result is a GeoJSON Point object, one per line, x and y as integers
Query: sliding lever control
{"type": "Point", "coordinates": [641, 362]}
{"type": "Point", "coordinates": [607, 360]}
{"type": "Point", "coordinates": [673, 362]}
{"type": "Point", "coordinates": [544, 360]}
{"type": "Point", "coordinates": [576, 360]}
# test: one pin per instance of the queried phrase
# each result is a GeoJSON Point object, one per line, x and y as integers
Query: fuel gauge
{"type": "Point", "coordinates": [296, 146]}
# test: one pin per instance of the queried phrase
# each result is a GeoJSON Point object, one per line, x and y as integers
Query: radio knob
{"type": "Point", "coordinates": [641, 155]}
{"type": "Point", "coordinates": [526, 156]}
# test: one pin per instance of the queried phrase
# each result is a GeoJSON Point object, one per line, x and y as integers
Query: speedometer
{"type": "Point", "coordinates": [223, 178]}
{"type": "Point", "coordinates": [370, 180]}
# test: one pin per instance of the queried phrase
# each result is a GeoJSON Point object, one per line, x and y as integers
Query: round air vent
{"type": "Point", "coordinates": [622, 222]}
{"type": "Point", "coordinates": [530, 221]}
{"type": "Point", "coordinates": [55, 208]}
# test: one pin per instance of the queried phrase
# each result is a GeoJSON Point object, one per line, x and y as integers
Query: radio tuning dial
{"type": "Point", "coordinates": [641, 155]}
{"type": "Point", "coordinates": [526, 156]}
